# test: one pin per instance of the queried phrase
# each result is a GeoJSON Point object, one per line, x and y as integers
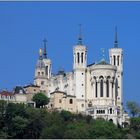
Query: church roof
{"type": "Point", "coordinates": [103, 62]}
{"type": "Point", "coordinates": [18, 90]}
{"type": "Point", "coordinates": [90, 64]}
{"type": "Point", "coordinates": [31, 85]}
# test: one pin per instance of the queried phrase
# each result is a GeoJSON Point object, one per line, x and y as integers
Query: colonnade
{"type": "Point", "coordinates": [103, 87]}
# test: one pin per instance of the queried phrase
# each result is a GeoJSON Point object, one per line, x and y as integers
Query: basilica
{"type": "Point", "coordinates": [94, 89]}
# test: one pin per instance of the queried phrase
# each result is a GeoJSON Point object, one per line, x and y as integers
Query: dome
{"type": "Point", "coordinates": [103, 62]}
{"type": "Point", "coordinates": [40, 64]}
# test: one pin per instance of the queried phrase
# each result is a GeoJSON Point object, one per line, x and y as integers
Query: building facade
{"type": "Point", "coordinates": [95, 89]}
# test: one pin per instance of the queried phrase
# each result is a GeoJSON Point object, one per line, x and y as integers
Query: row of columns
{"type": "Point", "coordinates": [98, 88]}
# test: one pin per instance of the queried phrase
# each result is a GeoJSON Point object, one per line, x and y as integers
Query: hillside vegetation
{"type": "Point", "coordinates": [20, 121]}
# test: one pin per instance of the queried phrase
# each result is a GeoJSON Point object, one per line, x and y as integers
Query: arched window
{"type": "Point", "coordinates": [71, 101]}
{"type": "Point", "coordinates": [42, 73]}
{"type": "Point", "coordinates": [82, 57]}
{"type": "Point", "coordinates": [114, 60]}
{"type": "Point", "coordinates": [78, 57]}
{"type": "Point", "coordinates": [101, 88]}
{"type": "Point", "coordinates": [96, 89]}
{"type": "Point", "coordinates": [46, 70]}
{"type": "Point", "coordinates": [110, 110]}
{"type": "Point", "coordinates": [38, 73]}
{"type": "Point", "coordinates": [107, 88]}
{"type": "Point", "coordinates": [118, 59]}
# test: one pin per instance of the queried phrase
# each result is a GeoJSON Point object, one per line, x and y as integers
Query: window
{"type": "Point", "coordinates": [71, 101]}
{"type": "Point", "coordinates": [42, 82]}
{"type": "Point", "coordinates": [82, 105]}
{"type": "Point", "coordinates": [46, 70]}
{"type": "Point", "coordinates": [96, 89]}
{"type": "Point", "coordinates": [90, 105]}
{"type": "Point", "coordinates": [60, 101]}
{"type": "Point", "coordinates": [82, 84]}
{"type": "Point", "coordinates": [82, 55]}
{"type": "Point", "coordinates": [82, 95]}
{"type": "Point", "coordinates": [107, 88]}
{"type": "Point", "coordinates": [78, 57]}
{"type": "Point", "coordinates": [110, 110]}
{"type": "Point", "coordinates": [101, 88]}
{"type": "Point", "coordinates": [38, 73]}
{"type": "Point", "coordinates": [118, 59]}
{"type": "Point", "coordinates": [114, 60]}
{"type": "Point", "coordinates": [82, 73]}
{"type": "Point", "coordinates": [42, 73]}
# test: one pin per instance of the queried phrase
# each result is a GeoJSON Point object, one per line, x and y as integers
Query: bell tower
{"type": "Point", "coordinates": [79, 53]}
{"type": "Point", "coordinates": [43, 69]}
{"type": "Point", "coordinates": [116, 59]}
{"type": "Point", "coordinates": [79, 68]}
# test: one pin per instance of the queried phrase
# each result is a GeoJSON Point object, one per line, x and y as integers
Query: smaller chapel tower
{"type": "Point", "coordinates": [43, 69]}
{"type": "Point", "coordinates": [116, 59]}
{"type": "Point", "coordinates": [79, 68]}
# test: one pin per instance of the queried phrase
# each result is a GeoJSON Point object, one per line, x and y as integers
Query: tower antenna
{"type": "Point", "coordinates": [116, 38]}
{"type": "Point", "coordinates": [45, 44]}
{"type": "Point", "coordinates": [80, 35]}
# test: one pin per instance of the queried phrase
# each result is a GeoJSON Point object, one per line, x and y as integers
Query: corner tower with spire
{"type": "Point", "coordinates": [79, 68]}
{"type": "Point", "coordinates": [116, 59]}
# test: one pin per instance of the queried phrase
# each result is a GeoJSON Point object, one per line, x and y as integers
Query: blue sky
{"type": "Point", "coordinates": [23, 26]}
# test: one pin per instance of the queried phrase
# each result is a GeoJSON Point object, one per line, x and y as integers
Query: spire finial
{"type": "Point", "coordinates": [45, 44]}
{"type": "Point", "coordinates": [116, 38]}
{"type": "Point", "coordinates": [40, 53]}
{"type": "Point", "coordinates": [80, 35]}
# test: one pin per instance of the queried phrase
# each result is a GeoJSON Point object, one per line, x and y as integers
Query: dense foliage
{"type": "Point", "coordinates": [18, 121]}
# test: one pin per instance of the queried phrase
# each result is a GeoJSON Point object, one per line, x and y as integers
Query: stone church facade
{"type": "Point", "coordinates": [94, 89]}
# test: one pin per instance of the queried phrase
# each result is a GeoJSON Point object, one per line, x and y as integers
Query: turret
{"type": "Point", "coordinates": [116, 59]}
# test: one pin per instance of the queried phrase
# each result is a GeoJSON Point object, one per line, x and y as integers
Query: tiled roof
{"type": "Point", "coordinates": [6, 93]}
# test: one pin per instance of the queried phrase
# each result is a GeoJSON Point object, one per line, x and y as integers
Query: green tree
{"type": "Point", "coordinates": [77, 130]}
{"type": "Point", "coordinates": [36, 123]}
{"type": "Point", "coordinates": [40, 99]}
{"type": "Point", "coordinates": [53, 132]}
{"type": "Point", "coordinates": [66, 115]}
{"type": "Point", "coordinates": [133, 108]}
{"type": "Point", "coordinates": [3, 105]}
{"type": "Point", "coordinates": [102, 129]}
{"type": "Point", "coordinates": [18, 127]}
